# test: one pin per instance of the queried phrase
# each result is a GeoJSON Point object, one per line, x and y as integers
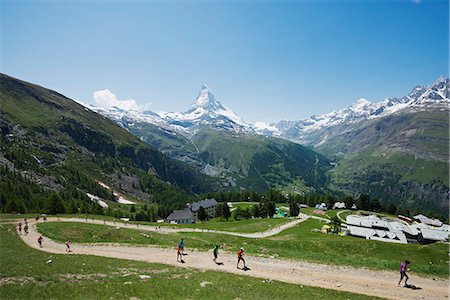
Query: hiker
{"type": "Point", "coordinates": [240, 257]}
{"type": "Point", "coordinates": [403, 269]}
{"type": "Point", "coordinates": [25, 229]}
{"type": "Point", "coordinates": [68, 246]}
{"type": "Point", "coordinates": [20, 227]}
{"type": "Point", "coordinates": [215, 252]}
{"type": "Point", "coordinates": [40, 239]}
{"type": "Point", "coordinates": [182, 246]}
{"type": "Point", "coordinates": [179, 257]}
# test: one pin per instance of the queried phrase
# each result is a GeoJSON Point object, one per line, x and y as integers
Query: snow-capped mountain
{"type": "Point", "coordinates": [437, 94]}
{"type": "Point", "coordinates": [206, 111]}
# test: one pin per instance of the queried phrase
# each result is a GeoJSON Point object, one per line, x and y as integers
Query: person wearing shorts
{"type": "Point", "coordinates": [181, 246]}
{"type": "Point", "coordinates": [40, 239]}
{"type": "Point", "coordinates": [215, 252]}
{"type": "Point", "coordinates": [240, 257]}
{"type": "Point", "coordinates": [179, 257]}
{"type": "Point", "coordinates": [403, 269]}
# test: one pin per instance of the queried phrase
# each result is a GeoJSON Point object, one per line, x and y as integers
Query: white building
{"type": "Point", "coordinates": [339, 205]}
{"type": "Point", "coordinates": [387, 230]}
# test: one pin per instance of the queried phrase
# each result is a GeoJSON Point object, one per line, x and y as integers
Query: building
{"type": "Point", "coordinates": [339, 205]}
{"type": "Point", "coordinates": [388, 230]}
{"type": "Point", "coordinates": [373, 228]}
{"type": "Point", "coordinates": [190, 213]}
{"type": "Point", "coordinates": [185, 216]}
{"type": "Point", "coordinates": [208, 204]}
{"type": "Point", "coordinates": [321, 206]}
{"type": "Point", "coordinates": [425, 220]}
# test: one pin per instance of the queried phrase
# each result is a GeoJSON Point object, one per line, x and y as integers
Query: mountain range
{"type": "Point", "coordinates": [395, 149]}
{"type": "Point", "coordinates": [51, 143]}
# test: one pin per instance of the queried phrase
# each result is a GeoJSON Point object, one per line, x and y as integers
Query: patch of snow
{"type": "Point", "coordinates": [98, 200]}
{"type": "Point", "coordinates": [122, 200]}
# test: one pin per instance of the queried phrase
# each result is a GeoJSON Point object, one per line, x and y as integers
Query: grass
{"type": "Point", "coordinates": [243, 226]}
{"type": "Point", "coordinates": [90, 277]}
{"type": "Point", "coordinates": [299, 242]}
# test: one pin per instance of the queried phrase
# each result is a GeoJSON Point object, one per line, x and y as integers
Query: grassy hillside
{"type": "Point", "coordinates": [26, 275]}
{"type": "Point", "coordinates": [244, 160]}
{"type": "Point", "coordinates": [401, 158]}
{"type": "Point", "coordinates": [397, 177]}
{"type": "Point", "coordinates": [63, 146]}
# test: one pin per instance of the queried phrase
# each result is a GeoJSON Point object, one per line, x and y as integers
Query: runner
{"type": "Point", "coordinates": [25, 221]}
{"type": "Point", "coordinates": [68, 246]}
{"type": "Point", "coordinates": [403, 269]}
{"type": "Point", "coordinates": [20, 227]}
{"type": "Point", "coordinates": [215, 252]}
{"type": "Point", "coordinates": [179, 257]}
{"type": "Point", "coordinates": [240, 257]}
{"type": "Point", "coordinates": [40, 239]}
{"type": "Point", "coordinates": [25, 229]}
{"type": "Point", "coordinates": [182, 246]}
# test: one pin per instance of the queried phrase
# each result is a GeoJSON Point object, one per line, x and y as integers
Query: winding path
{"type": "Point", "coordinates": [362, 281]}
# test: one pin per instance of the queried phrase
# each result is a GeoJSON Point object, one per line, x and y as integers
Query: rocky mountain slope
{"type": "Point", "coordinates": [218, 142]}
{"type": "Point", "coordinates": [395, 149]}
{"type": "Point", "coordinates": [62, 146]}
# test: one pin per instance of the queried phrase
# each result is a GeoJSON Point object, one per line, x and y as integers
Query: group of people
{"type": "Point", "coordinates": [240, 254]}
{"type": "Point", "coordinates": [180, 252]}
{"type": "Point", "coordinates": [25, 228]}
{"type": "Point", "coordinates": [40, 239]}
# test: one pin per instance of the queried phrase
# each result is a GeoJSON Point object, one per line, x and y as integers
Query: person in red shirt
{"type": "Point", "coordinates": [240, 257]}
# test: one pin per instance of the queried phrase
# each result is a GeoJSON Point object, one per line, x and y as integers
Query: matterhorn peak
{"type": "Point", "coordinates": [206, 100]}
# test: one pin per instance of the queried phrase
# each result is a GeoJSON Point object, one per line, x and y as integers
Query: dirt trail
{"type": "Point", "coordinates": [362, 281]}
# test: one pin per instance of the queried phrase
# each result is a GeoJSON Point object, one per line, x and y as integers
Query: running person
{"type": "Point", "coordinates": [25, 229]}
{"type": "Point", "coordinates": [215, 252]}
{"type": "Point", "coordinates": [179, 255]}
{"type": "Point", "coordinates": [68, 246]}
{"type": "Point", "coordinates": [20, 227]}
{"type": "Point", "coordinates": [181, 246]}
{"type": "Point", "coordinates": [403, 269]}
{"type": "Point", "coordinates": [40, 239]}
{"type": "Point", "coordinates": [240, 257]}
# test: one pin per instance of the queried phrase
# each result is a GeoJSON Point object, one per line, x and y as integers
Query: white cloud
{"type": "Point", "coordinates": [106, 98]}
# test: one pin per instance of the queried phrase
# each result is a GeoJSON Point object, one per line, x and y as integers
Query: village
{"type": "Point", "coordinates": [365, 224]}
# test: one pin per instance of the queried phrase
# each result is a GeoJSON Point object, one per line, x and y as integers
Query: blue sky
{"type": "Point", "coordinates": [266, 60]}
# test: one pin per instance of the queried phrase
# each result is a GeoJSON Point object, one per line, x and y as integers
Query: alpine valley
{"type": "Point", "coordinates": [396, 150]}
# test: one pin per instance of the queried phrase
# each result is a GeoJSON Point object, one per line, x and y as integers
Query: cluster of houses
{"type": "Point", "coordinates": [420, 229]}
{"type": "Point", "coordinates": [336, 205]}
{"type": "Point", "coordinates": [190, 213]}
